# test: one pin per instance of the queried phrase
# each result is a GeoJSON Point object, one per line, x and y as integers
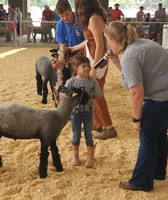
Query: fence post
{"type": "Point", "coordinates": [15, 37]}
{"type": "Point", "coordinates": [21, 36]}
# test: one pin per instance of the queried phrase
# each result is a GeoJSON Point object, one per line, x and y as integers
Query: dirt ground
{"type": "Point", "coordinates": [114, 158]}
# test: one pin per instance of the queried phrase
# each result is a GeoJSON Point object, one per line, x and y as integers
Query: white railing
{"type": "Point", "coordinates": [141, 27]}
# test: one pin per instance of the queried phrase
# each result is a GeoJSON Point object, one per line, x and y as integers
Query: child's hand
{"type": "Point", "coordinates": [62, 95]}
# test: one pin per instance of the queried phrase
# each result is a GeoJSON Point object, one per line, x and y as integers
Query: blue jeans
{"type": "Point", "coordinates": [152, 156]}
{"type": "Point", "coordinates": [76, 120]}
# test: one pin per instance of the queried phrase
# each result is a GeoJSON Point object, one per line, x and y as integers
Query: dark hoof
{"type": "Point", "coordinates": [44, 101]}
{"type": "Point", "coordinates": [0, 161]}
{"type": "Point", "coordinates": [56, 105]}
{"type": "Point", "coordinates": [43, 175]}
{"type": "Point", "coordinates": [39, 93]}
{"type": "Point", "coordinates": [59, 169]}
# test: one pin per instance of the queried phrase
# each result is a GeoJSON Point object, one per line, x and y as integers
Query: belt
{"type": "Point", "coordinates": [82, 108]}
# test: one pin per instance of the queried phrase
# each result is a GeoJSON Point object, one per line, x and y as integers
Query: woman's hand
{"type": "Point", "coordinates": [137, 126]}
{"type": "Point", "coordinates": [72, 49]}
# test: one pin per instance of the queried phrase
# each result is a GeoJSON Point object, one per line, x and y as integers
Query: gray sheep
{"type": "Point", "coordinates": [43, 30]}
{"type": "Point", "coordinates": [45, 73]}
{"type": "Point", "coordinates": [21, 122]}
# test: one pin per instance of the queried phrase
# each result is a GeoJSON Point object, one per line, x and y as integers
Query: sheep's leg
{"type": "Point", "coordinates": [56, 157]}
{"type": "Point", "coordinates": [41, 37]}
{"type": "Point", "coordinates": [45, 91]}
{"type": "Point", "coordinates": [45, 37]}
{"type": "Point", "coordinates": [52, 89]}
{"type": "Point", "coordinates": [0, 161]}
{"type": "Point", "coordinates": [34, 37]}
{"type": "Point", "coordinates": [39, 83]}
{"type": "Point", "coordinates": [43, 161]}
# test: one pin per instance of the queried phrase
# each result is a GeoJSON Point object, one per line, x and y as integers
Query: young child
{"type": "Point", "coordinates": [82, 113]}
{"type": "Point", "coordinates": [29, 26]}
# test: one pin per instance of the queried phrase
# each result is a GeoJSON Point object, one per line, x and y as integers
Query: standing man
{"type": "Point", "coordinates": [160, 16]}
{"type": "Point", "coordinates": [139, 18]}
{"type": "Point", "coordinates": [66, 36]}
{"type": "Point", "coordinates": [117, 14]}
{"type": "Point", "coordinates": [140, 14]}
{"type": "Point", "coordinates": [19, 19]}
{"type": "Point", "coordinates": [48, 15]}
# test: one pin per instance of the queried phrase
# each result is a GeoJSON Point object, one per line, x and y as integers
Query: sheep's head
{"type": "Point", "coordinates": [76, 93]}
{"type": "Point", "coordinates": [67, 53]}
{"type": "Point", "coordinates": [55, 52]}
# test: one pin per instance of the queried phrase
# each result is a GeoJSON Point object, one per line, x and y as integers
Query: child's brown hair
{"type": "Point", "coordinates": [80, 59]}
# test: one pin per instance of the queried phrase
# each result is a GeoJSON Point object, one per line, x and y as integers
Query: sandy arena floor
{"type": "Point", "coordinates": [114, 158]}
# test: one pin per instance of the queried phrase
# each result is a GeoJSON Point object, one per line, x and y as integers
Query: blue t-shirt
{"type": "Point", "coordinates": [66, 33]}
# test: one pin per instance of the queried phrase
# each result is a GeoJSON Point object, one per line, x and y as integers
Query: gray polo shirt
{"type": "Point", "coordinates": [146, 62]}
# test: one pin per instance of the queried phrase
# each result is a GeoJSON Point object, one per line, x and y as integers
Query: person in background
{"type": "Point", "coordinates": [144, 67]}
{"type": "Point", "coordinates": [12, 17]}
{"type": "Point", "coordinates": [3, 16]}
{"type": "Point", "coordinates": [48, 15]}
{"type": "Point", "coordinates": [29, 26]}
{"type": "Point", "coordinates": [140, 14]}
{"type": "Point", "coordinates": [117, 14]}
{"type": "Point", "coordinates": [166, 14]}
{"type": "Point", "coordinates": [147, 17]}
{"type": "Point", "coordinates": [153, 30]}
{"type": "Point", "coordinates": [160, 16]}
{"type": "Point", "coordinates": [19, 19]}
{"type": "Point", "coordinates": [109, 14]}
{"type": "Point", "coordinates": [89, 16]}
{"type": "Point", "coordinates": [82, 113]}
{"type": "Point", "coordinates": [66, 36]}
{"type": "Point", "coordinates": [56, 19]}
{"type": "Point", "coordinates": [56, 16]}
{"type": "Point", "coordinates": [1, 12]}
{"type": "Point", "coordinates": [140, 17]}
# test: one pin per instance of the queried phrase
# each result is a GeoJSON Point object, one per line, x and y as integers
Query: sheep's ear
{"type": "Point", "coordinates": [54, 50]}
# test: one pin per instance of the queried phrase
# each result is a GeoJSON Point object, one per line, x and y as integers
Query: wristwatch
{"type": "Point", "coordinates": [136, 120]}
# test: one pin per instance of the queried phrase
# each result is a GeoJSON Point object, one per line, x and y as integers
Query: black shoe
{"type": "Point", "coordinates": [126, 185]}
{"type": "Point", "coordinates": [160, 178]}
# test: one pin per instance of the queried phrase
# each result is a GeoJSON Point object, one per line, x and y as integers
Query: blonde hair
{"type": "Point", "coordinates": [121, 32]}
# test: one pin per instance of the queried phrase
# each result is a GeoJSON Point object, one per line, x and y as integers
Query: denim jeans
{"type": "Point", "coordinates": [76, 120]}
{"type": "Point", "coordinates": [152, 156]}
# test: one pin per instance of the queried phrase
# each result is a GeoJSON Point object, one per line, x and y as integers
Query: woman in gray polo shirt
{"type": "Point", "coordinates": [144, 68]}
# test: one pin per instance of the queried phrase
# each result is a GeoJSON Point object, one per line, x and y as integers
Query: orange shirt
{"type": "Point", "coordinates": [116, 14]}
